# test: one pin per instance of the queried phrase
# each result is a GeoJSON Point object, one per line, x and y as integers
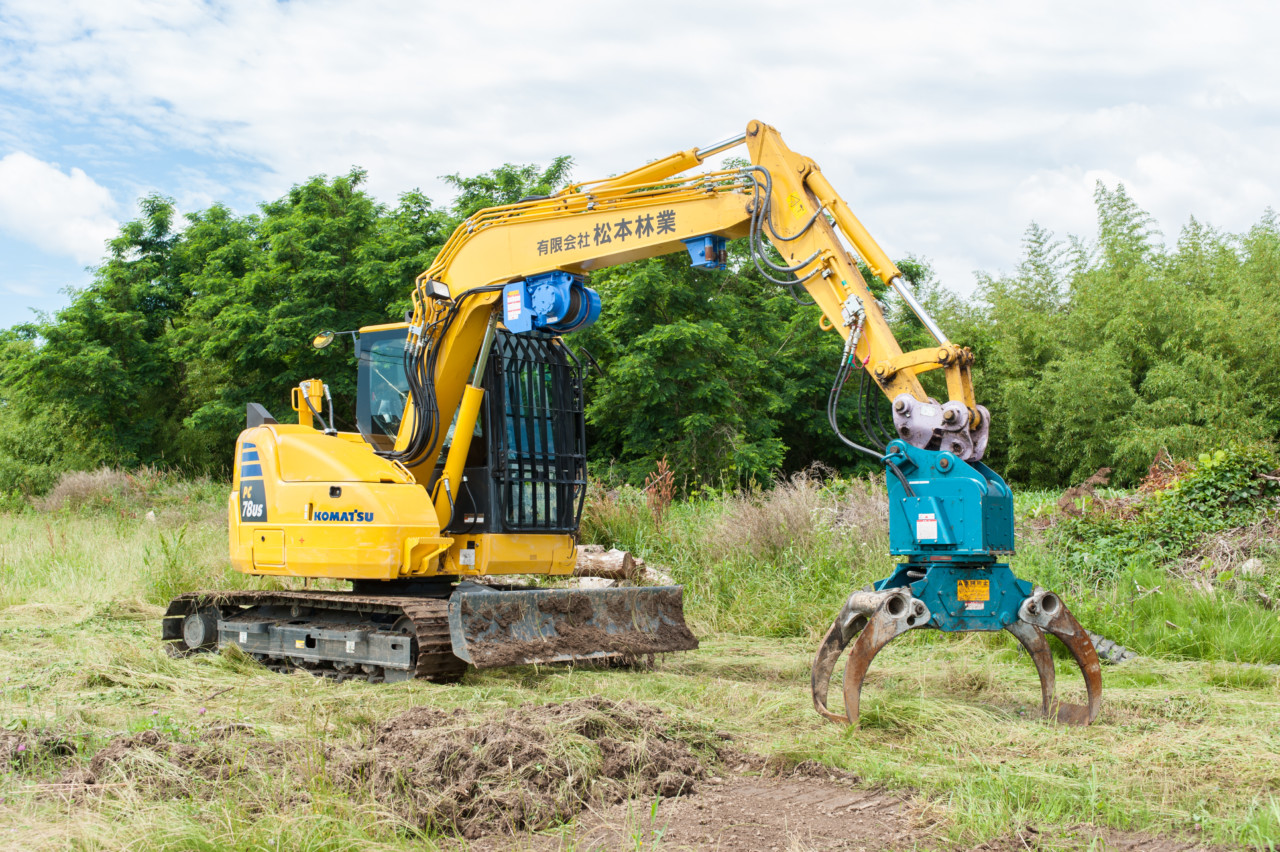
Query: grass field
{"type": "Point", "coordinates": [1187, 744]}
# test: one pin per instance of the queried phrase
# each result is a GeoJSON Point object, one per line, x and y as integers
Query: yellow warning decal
{"type": "Point", "coordinates": [302, 643]}
{"type": "Point", "coordinates": [973, 590]}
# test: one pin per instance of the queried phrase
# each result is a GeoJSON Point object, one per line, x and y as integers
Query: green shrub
{"type": "Point", "coordinates": [1224, 481]}
{"type": "Point", "coordinates": [1223, 490]}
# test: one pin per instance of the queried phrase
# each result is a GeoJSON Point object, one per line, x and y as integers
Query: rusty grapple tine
{"type": "Point", "coordinates": [1033, 640]}
{"type": "Point", "coordinates": [874, 618]}
{"type": "Point", "coordinates": [842, 630]}
{"type": "Point", "coordinates": [1045, 611]}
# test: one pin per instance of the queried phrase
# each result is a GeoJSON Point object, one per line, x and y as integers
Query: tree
{"type": "Point", "coordinates": [102, 361]}
{"type": "Point", "coordinates": [507, 184]}
{"type": "Point", "coordinates": [326, 256]}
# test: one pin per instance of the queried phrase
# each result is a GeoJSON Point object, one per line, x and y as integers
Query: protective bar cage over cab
{"type": "Point", "coordinates": [526, 469]}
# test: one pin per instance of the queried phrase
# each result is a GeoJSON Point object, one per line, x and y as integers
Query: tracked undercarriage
{"type": "Point", "coordinates": [387, 638]}
{"type": "Point", "coordinates": [337, 634]}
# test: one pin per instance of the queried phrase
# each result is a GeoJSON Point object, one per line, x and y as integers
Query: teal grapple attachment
{"type": "Point", "coordinates": [951, 520]}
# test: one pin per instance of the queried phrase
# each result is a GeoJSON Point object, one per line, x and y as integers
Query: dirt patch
{"type": "Point", "coordinates": [23, 749]}
{"type": "Point", "coordinates": [529, 767]}
{"type": "Point", "coordinates": [520, 769]}
{"type": "Point", "coordinates": [810, 808]}
{"type": "Point", "coordinates": [1093, 839]}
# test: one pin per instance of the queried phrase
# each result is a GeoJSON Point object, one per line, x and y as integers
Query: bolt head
{"type": "Point", "coordinates": [899, 406]}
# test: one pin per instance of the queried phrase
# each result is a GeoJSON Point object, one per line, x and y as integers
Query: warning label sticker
{"type": "Point", "coordinates": [973, 590]}
{"type": "Point", "coordinates": [926, 526]}
{"type": "Point", "coordinates": [513, 304]}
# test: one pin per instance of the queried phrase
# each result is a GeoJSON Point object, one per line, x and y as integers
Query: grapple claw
{"type": "Point", "coordinates": [1044, 611]}
{"type": "Point", "coordinates": [965, 598]}
{"type": "Point", "coordinates": [875, 618]}
{"type": "Point", "coordinates": [824, 665]}
{"type": "Point", "coordinates": [1033, 640]}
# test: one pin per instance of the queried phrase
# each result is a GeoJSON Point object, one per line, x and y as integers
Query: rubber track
{"type": "Point", "coordinates": [430, 617]}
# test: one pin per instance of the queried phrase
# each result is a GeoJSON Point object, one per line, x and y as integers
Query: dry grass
{"type": "Point", "coordinates": [1230, 549]}
{"type": "Point", "coordinates": [761, 525]}
{"type": "Point", "coordinates": [795, 513]}
{"type": "Point", "coordinates": [863, 510]}
{"type": "Point", "coordinates": [99, 488]}
{"type": "Point", "coordinates": [134, 494]}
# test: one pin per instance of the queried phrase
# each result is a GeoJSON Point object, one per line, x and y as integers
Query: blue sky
{"type": "Point", "coordinates": [948, 127]}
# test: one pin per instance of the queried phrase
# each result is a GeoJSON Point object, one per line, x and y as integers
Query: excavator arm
{"type": "Point", "coordinates": [951, 517]}
{"type": "Point", "coordinates": [782, 198]}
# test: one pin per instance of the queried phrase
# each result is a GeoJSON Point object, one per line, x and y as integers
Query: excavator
{"type": "Point", "coordinates": [469, 462]}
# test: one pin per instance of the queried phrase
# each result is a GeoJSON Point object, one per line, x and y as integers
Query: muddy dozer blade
{"type": "Point", "coordinates": [510, 627]}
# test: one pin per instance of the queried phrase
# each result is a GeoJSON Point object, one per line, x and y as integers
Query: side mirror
{"type": "Point", "coordinates": [323, 339]}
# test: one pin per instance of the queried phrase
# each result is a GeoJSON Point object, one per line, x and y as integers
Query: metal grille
{"type": "Point", "coordinates": [540, 466]}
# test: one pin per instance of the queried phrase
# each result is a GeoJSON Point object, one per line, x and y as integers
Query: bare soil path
{"type": "Point", "coordinates": [757, 813]}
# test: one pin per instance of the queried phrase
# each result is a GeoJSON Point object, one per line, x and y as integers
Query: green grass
{"type": "Point", "coordinates": [1181, 747]}
{"type": "Point", "coordinates": [1187, 743]}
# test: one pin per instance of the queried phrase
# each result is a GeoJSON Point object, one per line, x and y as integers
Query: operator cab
{"type": "Point", "coordinates": [527, 475]}
{"type": "Point", "coordinates": [382, 386]}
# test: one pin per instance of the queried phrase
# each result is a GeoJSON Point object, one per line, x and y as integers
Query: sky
{"type": "Point", "coordinates": [947, 127]}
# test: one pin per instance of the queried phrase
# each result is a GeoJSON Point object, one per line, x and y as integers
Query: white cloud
{"type": "Point", "coordinates": [947, 126]}
{"type": "Point", "coordinates": [63, 213]}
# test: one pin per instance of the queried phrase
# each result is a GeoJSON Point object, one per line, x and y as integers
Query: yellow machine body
{"type": "Point", "coordinates": [311, 505]}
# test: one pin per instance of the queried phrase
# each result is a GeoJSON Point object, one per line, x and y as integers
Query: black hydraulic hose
{"type": "Point", "coordinates": [875, 438]}
{"type": "Point", "coordinates": [875, 412]}
{"type": "Point", "coordinates": [757, 250]}
{"type": "Point", "coordinates": [765, 212]}
{"type": "Point", "coordinates": [906, 486]}
{"type": "Point", "coordinates": [420, 370]}
{"type": "Point", "coordinates": [328, 427]}
{"type": "Point", "coordinates": [833, 403]}
{"type": "Point", "coordinates": [775, 267]}
{"type": "Point", "coordinates": [798, 234]}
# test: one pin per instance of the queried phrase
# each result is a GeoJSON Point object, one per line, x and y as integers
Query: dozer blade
{"type": "Point", "coordinates": [508, 627]}
{"type": "Point", "coordinates": [872, 619]}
